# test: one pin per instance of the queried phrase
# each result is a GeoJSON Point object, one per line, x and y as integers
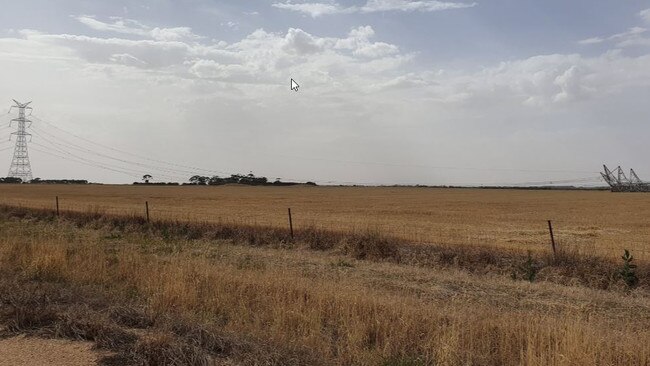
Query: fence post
{"type": "Point", "coordinates": [146, 205]}
{"type": "Point", "coordinates": [290, 224]}
{"type": "Point", "coordinates": [57, 206]}
{"type": "Point", "coordinates": [550, 229]}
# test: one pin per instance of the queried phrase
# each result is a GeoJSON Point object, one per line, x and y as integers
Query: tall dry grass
{"type": "Point", "coordinates": [564, 267]}
{"type": "Point", "coordinates": [310, 305]}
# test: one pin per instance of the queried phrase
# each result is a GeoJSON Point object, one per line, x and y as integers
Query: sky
{"type": "Point", "coordinates": [391, 91]}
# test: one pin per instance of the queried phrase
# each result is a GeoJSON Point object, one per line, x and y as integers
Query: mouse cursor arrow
{"type": "Point", "coordinates": [294, 85]}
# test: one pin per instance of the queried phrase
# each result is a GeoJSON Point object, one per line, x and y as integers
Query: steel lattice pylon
{"type": "Point", "coordinates": [20, 166]}
{"type": "Point", "coordinates": [618, 182]}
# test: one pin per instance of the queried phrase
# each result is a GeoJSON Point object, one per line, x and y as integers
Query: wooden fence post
{"type": "Point", "coordinates": [290, 224]}
{"type": "Point", "coordinates": [550, 229]}
{"type": "Point", "coordinates": [146, 206]}
{"type": "Point", "coordinates": [57, 206]}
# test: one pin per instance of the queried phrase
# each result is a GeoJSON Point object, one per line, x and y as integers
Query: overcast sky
{"type": "Point", "coordinates": [391, 91]}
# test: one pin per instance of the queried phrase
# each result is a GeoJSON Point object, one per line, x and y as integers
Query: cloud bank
{"type": "Point", "coordinates": [362, 98]}
{"type": "Point", "coordinates": [372, 6]}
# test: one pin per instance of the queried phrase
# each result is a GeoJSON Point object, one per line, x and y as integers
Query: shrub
{"type": "Point", "coordinates": [628, 273]}
{"type": "Point", "coordinates": [528, 269]}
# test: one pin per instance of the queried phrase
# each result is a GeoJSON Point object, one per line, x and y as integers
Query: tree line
{"type": "Point", "coordinates": [248, 179]}
{"type": "Point", "coordinates": [13, 180]}
{"type": "Point", "coordinates": [198, 180]}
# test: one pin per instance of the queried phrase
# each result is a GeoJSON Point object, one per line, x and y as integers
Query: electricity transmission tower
{"type": "Point", "coordinates": [20, 166]}
{"type": "Point", "coordinates": [618, 182]}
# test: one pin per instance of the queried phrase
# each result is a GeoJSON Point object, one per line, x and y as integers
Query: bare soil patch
{"type": "Point", "coordinates": [30, 351]}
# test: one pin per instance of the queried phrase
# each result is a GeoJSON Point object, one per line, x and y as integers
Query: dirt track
{"type": "Point", "coordinates": [21, 350]}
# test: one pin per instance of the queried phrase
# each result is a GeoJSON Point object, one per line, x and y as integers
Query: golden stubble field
{"type": "Point", "coordinates": [587, 221]}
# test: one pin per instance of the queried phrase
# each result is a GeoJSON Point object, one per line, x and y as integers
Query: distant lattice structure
{"type": "Point", "coordinates": [20, 166]}
{"type": "Point", "coordinates": [619, 182]}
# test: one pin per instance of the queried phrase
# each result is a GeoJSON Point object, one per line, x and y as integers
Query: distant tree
{"type": "Point", "coordinates": [11, 180]}
{"type": "Point", "coordinates": [55, 181]}
{"type": "Point", "coordinates": [146, 178]}
{"type": "Point", "coordinates": [199, 180]}
{"type": "Point", "coordinates": [217, 181]}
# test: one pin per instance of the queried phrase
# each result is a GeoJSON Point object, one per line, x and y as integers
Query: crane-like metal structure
{"type": "Point", "coordinates": [619, 182]}
{"type": "Point", "coordinates": [20, 165]}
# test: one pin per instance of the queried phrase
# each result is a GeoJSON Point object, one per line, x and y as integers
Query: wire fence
{"type": "Point", "coordinates": [500, 234]}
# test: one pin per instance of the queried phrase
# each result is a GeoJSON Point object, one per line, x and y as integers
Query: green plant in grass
{"type": "Point", "coordinates": [528, 270]}
{"type": "Point", "coordinates": [628, 271]}
{"type": "Point", "coordinates": [342, 263]}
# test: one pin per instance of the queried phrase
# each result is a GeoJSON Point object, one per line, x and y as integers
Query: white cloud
{"type": "Point", "coordinates": [126, 59]}
{"type": "Point", "coordinates": [133, 27]}
{"type": "Point", "coordinates": [544, 80]}
{"type": "Point", "coordinates": [645, 15]}
{"type": "Point", "coordinates": [125, 26]}
{"type": "Point", "coordinates": [302, 43]}
{"type": "Point", "coordinates": [632, 37]}
{"type": "Point", "coordinates": [315, 9]}
{"type": "Point", "coordinates": [406, 5]}
{"type": "Point", "coordinates": [372, 6]}
{"type": "Point", "coordinates": [262, 57]}
{"type": "Point", "coordinates": [345, 64]}
{"type": "Point", "coordinates": [376, 50]}
{"type": "Point", "coordinates": [592, 40]}
{"type": "Point", "coordinates": [210, 69]}
{"type": "Point", "coordinates": [172, 34]}
{"type": "Point", "coordinates": [230, 24]}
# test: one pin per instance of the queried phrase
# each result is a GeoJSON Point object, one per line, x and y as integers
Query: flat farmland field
{"type": "Point", "coordinates": [591, 222]}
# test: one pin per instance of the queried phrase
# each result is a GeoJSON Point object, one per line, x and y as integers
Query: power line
{"type": "Point", "coordinates": [168, 167]}
{"type": "Point", "coordinates": [61, 141]}
{"type": "Point", "coordinates": [90, 162]}
{"type": "Point", "coordinates": [78, 159]}
{"type": "Point", "coordinates": [437, 166]}
{"type": "Point", "coordinates": [82, 162]}
{"type": "Point", "coordinates": [194, 169]}
{"type": "Point", "coordinates": [301, 157]}
{"type": "Point", "coordinates": [62, 145]}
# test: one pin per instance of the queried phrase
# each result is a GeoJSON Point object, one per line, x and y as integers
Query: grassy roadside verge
{"type": "Point", "coordinates": [566, 268]}
{"type": "Point", "coordinates": [169, 299]}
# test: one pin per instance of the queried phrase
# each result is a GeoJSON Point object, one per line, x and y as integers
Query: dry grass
{"type": "Point", "coordinates": [163, 294]}
{"type": "Point", "coordinates": [585, 222]}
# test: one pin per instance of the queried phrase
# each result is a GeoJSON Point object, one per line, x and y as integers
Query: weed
{"type": "Point", "coordinates": [528, 269]}
{"type": "Point", "coordinates": [628, 272]}
{"type": "Point", "coordinates": [342, 263]}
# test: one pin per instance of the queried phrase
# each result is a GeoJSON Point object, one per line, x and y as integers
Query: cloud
{"type": "Point", "coordinates": [354, 62]}
{"type": "Point", "coordinates": [263, 58]}
{"type": "Point", "coordinates": [315, 9]}
{"type": "Point", "coordinates": [302, 43]}
{"type": "Point", "coordinates": [126, 59]}
{"type": "Point", "coordinates": [372, 6]}
{"type": "Point", "coordinates": [406, 5]}
{"type": "Point", "coordinates": [634, 36]}
{"type": "Point", "coordinates": [231, 24]}
{"type": "Point", "coordinates": [592, 40]}
{"type": "Point", "coordinates": [544, 80]}
{"type": "Point", "coordinates": [360, 96]}
{"type": "Point", "coordinates": [133, 27]}
{"type": "Point", "coordinates": [645, 15]}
